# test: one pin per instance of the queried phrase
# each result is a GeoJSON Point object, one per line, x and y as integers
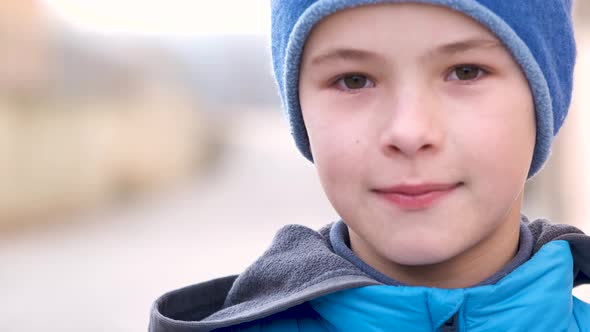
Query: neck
{"type": "Point", "coordinates": [467, 269]}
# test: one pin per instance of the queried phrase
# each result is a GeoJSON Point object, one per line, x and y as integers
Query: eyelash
{"type": "Point", "coordinates": [340, 85]}
{"type": "Point", "coordinates": [481, 72]}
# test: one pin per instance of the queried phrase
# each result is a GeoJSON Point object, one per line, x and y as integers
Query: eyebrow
{"type": "Point", "coordinates": [464, 46]}
{"type": "Point", "coordinates": [345, 54]}
{"type": "Point", "coordinates": [351, 54]}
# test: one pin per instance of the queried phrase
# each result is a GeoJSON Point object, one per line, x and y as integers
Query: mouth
{"type": "Point", "coordinates": [417, 197]}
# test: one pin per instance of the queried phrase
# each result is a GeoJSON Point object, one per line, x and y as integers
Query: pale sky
{"type": "Point", "coordinates": [175, 17]}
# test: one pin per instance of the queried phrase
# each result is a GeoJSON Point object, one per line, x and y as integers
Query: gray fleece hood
{"type": "Point", "coordinates": [302, 264]}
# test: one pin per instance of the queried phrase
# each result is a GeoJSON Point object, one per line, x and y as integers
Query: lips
{"type": "Point", "coordinates": [417, 197]}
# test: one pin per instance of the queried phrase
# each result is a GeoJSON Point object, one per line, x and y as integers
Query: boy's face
{"type": "Point", "coordinates": [422, 129]}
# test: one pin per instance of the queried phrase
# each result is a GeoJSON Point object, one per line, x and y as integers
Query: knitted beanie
{"type": "Point", "coordinates": [538, 34]}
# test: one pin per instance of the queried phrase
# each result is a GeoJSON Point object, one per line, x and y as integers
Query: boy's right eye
{"type": "Point", "coordinates": [354, 82]}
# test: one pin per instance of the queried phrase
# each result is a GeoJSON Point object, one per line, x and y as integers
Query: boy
{"type": "Point", "coordinates": [424, 119]}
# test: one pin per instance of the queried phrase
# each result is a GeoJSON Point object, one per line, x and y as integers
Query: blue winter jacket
{"type": "Point", "coordinates": [302, 284]}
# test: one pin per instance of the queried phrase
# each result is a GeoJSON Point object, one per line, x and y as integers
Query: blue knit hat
{"type": "Point", "coordinates": [538, 33]}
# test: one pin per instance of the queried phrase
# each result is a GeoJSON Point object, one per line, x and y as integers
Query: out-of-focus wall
{"type": "Point", "coordinates": [85, 120]}
{"type": "Point", "coordinates": [24, 37]}
{"type": "Point", "coordinates": [573, 179]}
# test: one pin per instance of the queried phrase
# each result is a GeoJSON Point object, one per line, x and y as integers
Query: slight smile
{"type": "Point", "coordinates": [416, 197]}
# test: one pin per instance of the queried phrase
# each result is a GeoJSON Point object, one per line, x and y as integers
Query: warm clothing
{"type": "Point", "coordinates": [538, 33]}
{"type": "Point", "coordinates": [302, 284]}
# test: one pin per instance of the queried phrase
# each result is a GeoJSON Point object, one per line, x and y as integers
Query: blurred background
{"type": "Point", "coordinates": [142, 149]}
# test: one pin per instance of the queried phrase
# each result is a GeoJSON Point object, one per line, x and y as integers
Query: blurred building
{"type": "Point", "coordinates": [85, 120]}
{"type": "Point", "coordinates": [24, 39]}
{"type": "Point", "coordinates": [572, 177]}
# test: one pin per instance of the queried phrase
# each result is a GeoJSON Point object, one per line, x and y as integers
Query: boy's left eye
{"type": "Point", "coordinates": [351, 82]}
{"type": "Point", "coordinates": [465, 73]}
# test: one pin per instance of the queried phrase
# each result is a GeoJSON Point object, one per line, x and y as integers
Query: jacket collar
{"type": "Point", "coordinates": [536, 295]}
{"type": "Point", "coordinates": [301, 265]}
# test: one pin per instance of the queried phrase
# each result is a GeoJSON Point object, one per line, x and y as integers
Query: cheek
{"type": "Point", "coordinates": [499, 143]}
{"type": "Point", "coordinates": [339, 146]}
{"type": "Point", "coordinates": [333, 131]}
{"type": "Point", "coordinates": [337, 153]}
{"type": "Point", "coordinates": [341, 176]}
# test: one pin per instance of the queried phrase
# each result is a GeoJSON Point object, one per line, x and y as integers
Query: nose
{"type": "Point", "coordinates": [413, 124]}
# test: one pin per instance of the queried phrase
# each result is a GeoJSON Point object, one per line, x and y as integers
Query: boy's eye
{"type": "Point", "coordinates": [465, 73]}
{"type": "Point", "coordinates": [354, 82]}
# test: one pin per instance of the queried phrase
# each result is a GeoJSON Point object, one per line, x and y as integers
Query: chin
{"type": "Point", "coordinates": [423, 253]}
{"type": "Point", "coordinates": [419, 260]}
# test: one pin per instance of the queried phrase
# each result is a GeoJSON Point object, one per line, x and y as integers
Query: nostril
{"type": "Point", "coordinates": [427, 147]}
{"type": "Point", "coordinates": [395, 148]}
{"type": "Point", "coordinates": [398, 148]}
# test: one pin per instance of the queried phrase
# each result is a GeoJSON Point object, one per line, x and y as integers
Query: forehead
{"type": "Point", "coordinates": [395, 27]}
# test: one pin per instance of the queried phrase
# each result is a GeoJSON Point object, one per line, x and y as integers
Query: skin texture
{"type": "Point", "coordinates": [411, 94]}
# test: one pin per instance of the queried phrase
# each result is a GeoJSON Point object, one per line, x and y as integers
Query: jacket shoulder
{"type": "Point", "coordinates": [295, 319]}
{"type": "Point", "coordinates": [582, 314]}
{"type": "Point", "coordinates": [191, 303]}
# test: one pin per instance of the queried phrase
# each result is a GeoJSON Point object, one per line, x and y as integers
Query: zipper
{"type": "Point", "coordinates": [450, 325]}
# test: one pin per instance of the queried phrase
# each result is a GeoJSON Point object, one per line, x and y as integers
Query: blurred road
{"type": "Point", "coordinates": [102, 272]}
